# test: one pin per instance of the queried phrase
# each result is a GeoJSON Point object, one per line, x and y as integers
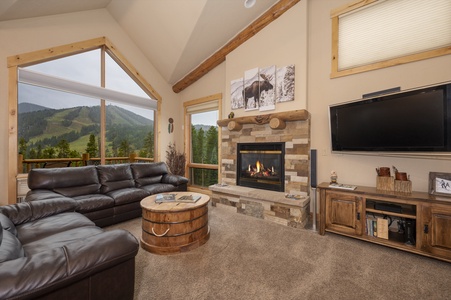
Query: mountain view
{"type": "Point", "coordinates": [49, 133]}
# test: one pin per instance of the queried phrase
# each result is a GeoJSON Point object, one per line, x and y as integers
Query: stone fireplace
{"type": "Point", "coordinates": [290, 129]}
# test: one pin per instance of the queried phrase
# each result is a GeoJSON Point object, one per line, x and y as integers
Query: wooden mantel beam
{"type": "Point", "coordinates": [217, 58]}
{"type": "Point", "coordinates": [276, 120]}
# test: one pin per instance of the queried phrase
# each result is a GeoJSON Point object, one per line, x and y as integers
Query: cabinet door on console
{"type": "Point", "coordinates": [436, 230]}
{"type": "Point", "coordinates": [344, 213]}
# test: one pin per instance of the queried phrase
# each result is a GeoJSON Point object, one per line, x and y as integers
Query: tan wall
{"type": "Point", "coordinates": [323, 91]}
{"type": "Point", "coordinates": [285, 42]}
{"type": "Point", "coordinates": [33, 34]}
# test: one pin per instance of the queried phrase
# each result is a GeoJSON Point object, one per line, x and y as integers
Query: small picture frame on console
{"type": "Point", "coordinates": [440, 184]}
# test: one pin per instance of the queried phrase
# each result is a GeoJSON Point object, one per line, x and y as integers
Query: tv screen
{"type": "Point", "coordinates": [413, 121]}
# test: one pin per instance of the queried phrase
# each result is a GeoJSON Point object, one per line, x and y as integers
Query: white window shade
{"type": "Point", "coordinates": [203, 107]}
{"type": "Point", "coordinates": [393, 28]}
{"type": "Point", "coordinates": [60, 84]}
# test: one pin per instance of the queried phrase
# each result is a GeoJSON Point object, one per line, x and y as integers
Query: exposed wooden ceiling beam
{"type": "Point", "coordinates": [217, 58]}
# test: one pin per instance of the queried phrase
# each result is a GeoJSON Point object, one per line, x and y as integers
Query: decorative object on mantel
{"type": "Point", "coordinates": [276, 120]}
{"type": "Point", "coordinates": [231, 115]}
{"type": "Point", "coordinates": [440, 184]}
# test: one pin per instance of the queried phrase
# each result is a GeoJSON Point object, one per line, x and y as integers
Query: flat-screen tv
{"type": "Point", "coordinates": [413, 121]}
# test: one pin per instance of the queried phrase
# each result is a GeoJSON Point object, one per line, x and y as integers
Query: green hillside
{"type": "Point", "coordinates": [47, 128]}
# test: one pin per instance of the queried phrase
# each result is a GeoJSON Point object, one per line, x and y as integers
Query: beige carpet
{"type": "Point", "coordinates": [248, 258]}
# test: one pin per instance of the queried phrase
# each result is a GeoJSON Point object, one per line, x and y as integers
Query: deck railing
{"type": "Point", "coordinates": [25, 165]}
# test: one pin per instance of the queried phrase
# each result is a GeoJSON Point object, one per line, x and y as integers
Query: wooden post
{"type": "Point", "coordinates": [20, 163]}
{"type": "Point", "coordinates": [85, 158]}
{"type": "Point", "coordinates": [132, 157]}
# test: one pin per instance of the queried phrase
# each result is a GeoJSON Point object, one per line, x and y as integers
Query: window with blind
{"type": "Point", "coordinates": [201, 132]}
{"type": "Point", "coordinates": [368, 35]}
{"type": "Point", "coordinates": [60, 106]}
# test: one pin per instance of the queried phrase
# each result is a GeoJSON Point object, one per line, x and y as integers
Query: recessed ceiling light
{"type": "Point", "coordinates": [249, 3]}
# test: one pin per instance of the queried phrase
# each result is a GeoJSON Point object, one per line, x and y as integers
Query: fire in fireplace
{"type": "Point", "coordinates": [261, 165]}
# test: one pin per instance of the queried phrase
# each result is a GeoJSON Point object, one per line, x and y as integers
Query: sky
{"type": "Point", "coordinates": [89, 73]}
{"type": "Point", "coordinates": [69, 68]}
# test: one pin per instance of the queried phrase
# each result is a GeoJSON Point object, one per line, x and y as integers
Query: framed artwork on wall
{"type": "Point", "coordinates": [250, 93]}
{"type": "Point", "coordinates": [266, 84]}
{"type": "Point", "coordinates": [261, 88]}
{"type": "Point", "coordinates": [236, 94]}
{"type": "Point", "coordinates": [285, 84]}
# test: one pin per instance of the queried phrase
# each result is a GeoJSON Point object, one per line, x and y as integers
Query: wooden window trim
{"type": "Point", "coordinates": [335, 72]}
{"type": "Point", "coordinates": [187, 140]}
{"type": "Point", "coordinates": [40, 56]}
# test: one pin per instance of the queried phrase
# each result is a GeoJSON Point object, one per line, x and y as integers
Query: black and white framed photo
{"type": "Point", "coordinates": [440, 184]}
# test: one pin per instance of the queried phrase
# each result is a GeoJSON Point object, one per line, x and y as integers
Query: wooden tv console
{"type": "Point", "coordinates": [346, 212]}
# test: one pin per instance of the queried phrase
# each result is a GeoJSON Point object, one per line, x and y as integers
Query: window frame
{"type": "Point", "coordinates": [23, 60]}
{"type": "Point", "coordinates": [336, 72]}
{"type": "Point", "coordinates": [188, 137]}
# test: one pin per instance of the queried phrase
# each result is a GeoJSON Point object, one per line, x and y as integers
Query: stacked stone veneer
{"type": "Point", "coordinates": [259, 203]}
{"type": "Point", "coordinates": [296, 136]}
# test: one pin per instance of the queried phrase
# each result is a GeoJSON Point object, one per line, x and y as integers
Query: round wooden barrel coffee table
{"type": "Point", "coordinates": [174, 227]}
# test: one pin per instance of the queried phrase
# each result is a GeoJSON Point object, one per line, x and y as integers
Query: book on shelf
{"type": "Point", "coordinates": [377, 227]}
{"type": "Point", "coordinates": [382, 228]}
{"type": "Point", "coordinates": [160, 198]}
{"type": "Point", "coordinates": [371, 225]}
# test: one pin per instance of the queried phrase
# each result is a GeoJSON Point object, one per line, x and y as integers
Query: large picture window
{"type": "Point", "coordinates": [368, 35]}
{"type": "Point", "coordinates": [54, 121]}
{"type": "Point", "coordinates": [81, 100]}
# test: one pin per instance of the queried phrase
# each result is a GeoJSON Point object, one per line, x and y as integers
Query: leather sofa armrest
{"type": "Point", "coordinates": [174, 179]}
{"type": "Point", "coordinates": [23, 212]}
{"type": "Point", "coordinates": [36, 275]}
{"type": "Point", "coordinates": [100, 251]}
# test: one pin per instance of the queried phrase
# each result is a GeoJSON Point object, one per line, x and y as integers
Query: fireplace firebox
{"type": "Point", "coordinates": [261, 165]}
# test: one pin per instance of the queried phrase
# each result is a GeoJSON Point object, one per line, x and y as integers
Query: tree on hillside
{"type": "Point", "coordinates": [91, 147]}
{"type": "Point", "coordinates": [63, 148]}
{"type": "Point", "coordinates": [124, 148]}
{"type": "Point", "coordinates": [49, 152]}
{"type": "Point", "coordinates": [23, 147]}
{"type": "Point", "coordinates": [147, 150]}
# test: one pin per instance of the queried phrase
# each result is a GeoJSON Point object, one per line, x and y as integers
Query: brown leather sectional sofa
{"type": "Point", "coordinates": [48, 251]}
{"type": "Point", "coordinates": [106, 194]}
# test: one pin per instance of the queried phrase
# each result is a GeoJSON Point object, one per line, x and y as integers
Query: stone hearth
{"type": "Point", "coordinates": [263, 204]}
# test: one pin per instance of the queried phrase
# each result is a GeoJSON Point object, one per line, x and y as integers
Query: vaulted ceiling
{"type": "Point", "coordinates": [175, 35]}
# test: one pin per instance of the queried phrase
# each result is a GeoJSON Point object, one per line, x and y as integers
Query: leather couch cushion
{"type": "Point", "coordinates": [148, 173]}
{"type": "Point", "coordinates": [75, 191]}
{"type": "Point", "coordinates": [7, 224]}
{"type": "Point", "coordinates": [115, 177]}
{"type": "Point", "coordinates": [69, 182]}
{"type": "Point", "coordinates": [41, 228]}
{"type": "Point", "coordinates": [93, 202]}
{"type": "Point", "coordinates": [159, 188]}
{"type": "Point", "coordinates": [60, 239]}
{"type": "Point", "coordinates": [128, 195]}
{"type": "Point", "coordinates": [10, 246]}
